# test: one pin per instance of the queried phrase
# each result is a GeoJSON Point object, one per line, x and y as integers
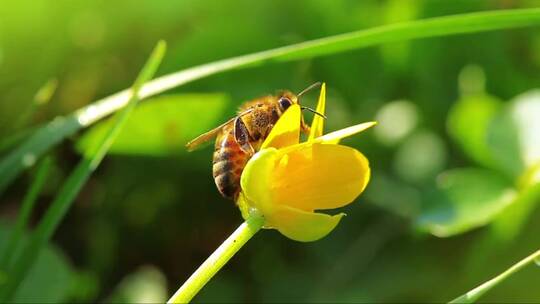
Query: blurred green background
{"type": "Point", "coordinates": [456, 146]}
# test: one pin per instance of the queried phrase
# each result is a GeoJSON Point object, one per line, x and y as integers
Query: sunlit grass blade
{"type": "Point", "coordinates": [27, 206]}
{"type": "Point", "coordinates": [65, 197]}
{"type": "Point", "coordinates": [51, 134]}
{"type": "Point", "coordinates": [473, 295]}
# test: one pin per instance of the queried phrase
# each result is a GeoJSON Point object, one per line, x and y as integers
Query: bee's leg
{"type": "Point", "coordinates": [304, 127]}
{"type": "Point", "coordinates": [241, 135]}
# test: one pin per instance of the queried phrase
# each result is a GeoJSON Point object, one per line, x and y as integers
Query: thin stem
{"type": "Point", "coordinates": [52, 133]}
{"type": "Point", "coordinates": [74, 183]}
{"type": "Point", "coordinates": [27, 207]}
{"type": "Point", "coordinates": [217, 260]}
{"type": "Point", "coordinates": [476, 293]}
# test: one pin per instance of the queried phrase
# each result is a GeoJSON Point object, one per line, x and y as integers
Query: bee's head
{"type": "Point", "coordinates": [286, 100]}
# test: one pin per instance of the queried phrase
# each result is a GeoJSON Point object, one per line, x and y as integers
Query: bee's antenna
{"type": "Point", "coordinates": [312, 111]}
{"type": "Point", "coordinates": [311, 87]}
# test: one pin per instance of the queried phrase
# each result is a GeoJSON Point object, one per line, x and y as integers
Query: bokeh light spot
{"type": "Point", "coordinates": [396, 120]}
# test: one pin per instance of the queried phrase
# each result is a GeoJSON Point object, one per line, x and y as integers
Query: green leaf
{"type": "Point", "coordinates": [465, 199]}
{"type": "Point", "coordinates": [49, 279]}
{"type": "Point", "coordinates": [50, 135]}
{"type": "Point", "coordinates": [514, 134]}
{"type": "Point", "coordinates": [507, 139]}
{"type": "Point", "coordinates": [508, 224]}
{"type": "Point", "coordinates": [78, 177]}
{"type": "Point", "coordinates": [468, 123]}
{"type": "Point", "coordinates": [163, 125]}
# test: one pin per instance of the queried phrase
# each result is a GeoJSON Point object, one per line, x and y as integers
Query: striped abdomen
{"type": "Point", "coordinates": [229, 161]}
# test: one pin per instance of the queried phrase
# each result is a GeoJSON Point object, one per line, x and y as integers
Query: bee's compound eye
{"type": "Point", "coordinates": [284, 103]}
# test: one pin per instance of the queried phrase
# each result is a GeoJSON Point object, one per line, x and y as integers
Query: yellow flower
{"type": "Point", "coordinates": [287, 181]}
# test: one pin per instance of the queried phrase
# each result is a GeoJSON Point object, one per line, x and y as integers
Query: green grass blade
{"type": "Point", "coordinates": [43, 96]}
{"type": "Point", "coordinates": [473, 295]}
{"type": "Point", "coordinates": [37, 144]}
{"type": "Point", "coordinates": [16, 138]}
{"type": "Point", "coordinates": [432, 27]}
{"type": "Point", "coordinates": [44, 138]}
{"type": "Point", "coordinates": [24, 214]}
{"type": "Point", "coordinates": [63, 200]}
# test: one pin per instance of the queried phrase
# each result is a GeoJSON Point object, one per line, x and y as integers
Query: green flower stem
{"type": "Point", "coordinates": [476, 293]}
{"type": "Point", "coordinates": [218, 259]}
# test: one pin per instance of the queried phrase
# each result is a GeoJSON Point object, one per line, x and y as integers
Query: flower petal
{"type": "Point", "coordinates": [301, 225]}
{"type": "Point", "coordinates": [336, 136]}
{"type": "Point", "coordinates": [318, 176]}
{"type": "Point", "coordinates": [256, 180]}
{"type": "Point", "coordinates": [244, 205]}
{"type": "Point", "coordinates": [286, 132]}
{"type": "Point", "coordinates": [317, 126]}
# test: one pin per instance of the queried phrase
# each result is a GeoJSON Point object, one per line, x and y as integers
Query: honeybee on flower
{"type": "Point", "coordinates": [240, 137]}
{"type": "Point", "coordinates": [287, 181]}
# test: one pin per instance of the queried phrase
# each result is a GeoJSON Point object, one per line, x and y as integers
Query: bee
{"type": "Point", "coordinates": [239, 138]}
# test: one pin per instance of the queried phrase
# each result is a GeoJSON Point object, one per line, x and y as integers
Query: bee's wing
{"type": "Point", "coordinates": [195, 143]}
